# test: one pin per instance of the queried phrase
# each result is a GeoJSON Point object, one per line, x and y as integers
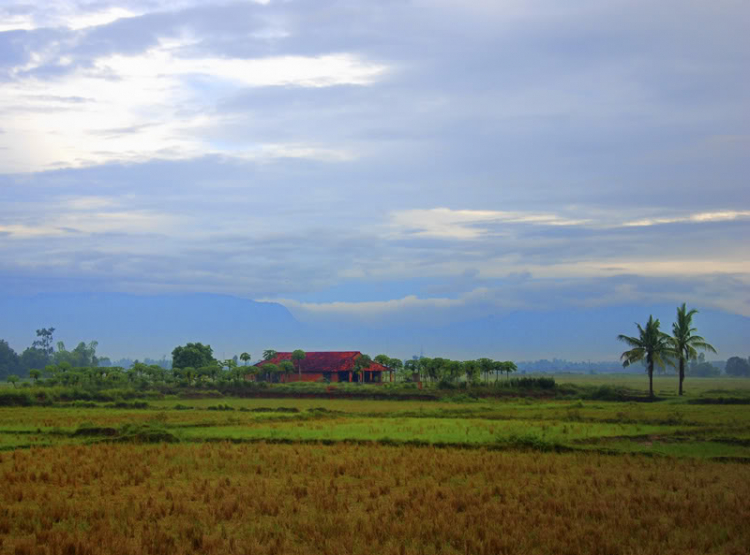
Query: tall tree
{"type": "Point", "coordinates": [383, 360]}
{"type": "Point", "coordinates": [297, 357]}
{"type": "Point", "coordinates": [652, 346]}
{"type": "Point", "coordinates": [245, 357]}
{"type": "Point", "coordinates": [44, 343]}
{"type": "Point", "coordinates": [395, 365]}
{"type": "Point", "coordinates": [683, 342]}
{"type": "Point", "coordinates": [8, 359]}
{"type": "Point", "coordinates": [498, 366]}
{"type": "Point", "coordinates": [472, 371]}
{"type": "Point", "coordinates": [509, 366]}
{"type": "Point", "coordinates": [423, 365]}
{"type": "Point", "coordinates": [268, 354]}
{"type": "Point", "coordinates": [83, 355]}
{"type": "Point", "coordinates": [194, 355]}
{"type": "Point", "coordinates": [486, 366]}
{"type": "Point", "coordinates": [412, 367]}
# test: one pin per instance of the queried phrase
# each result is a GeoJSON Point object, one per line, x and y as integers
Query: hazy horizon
{"type": "Point", "coordinates": [139, 326]}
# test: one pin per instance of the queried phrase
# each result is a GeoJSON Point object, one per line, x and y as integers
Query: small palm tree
{"type": "Point", "coordinates": [245, 357]}
{"type": "Point", "coordinates": [652, 345]}
{"type": "Point", "coordinates": [683, 342]}
{"type": "Point", "coordinates": [362, 363]}
{"type": "Point", "coordinates": [297, 357]}
{"type": "Point", "coordinates": [287, 368]}
{"type": "Point", "coordinates": [271, 370]}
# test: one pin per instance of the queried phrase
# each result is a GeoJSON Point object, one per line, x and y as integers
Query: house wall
{"type": "Point", "coordinates": [334, 377]}
{"type": "Point", "coordinates": [306, 377]}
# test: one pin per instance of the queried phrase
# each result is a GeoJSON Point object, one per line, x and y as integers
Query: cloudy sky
{"type": "Point", "coordinates": [370, 161]}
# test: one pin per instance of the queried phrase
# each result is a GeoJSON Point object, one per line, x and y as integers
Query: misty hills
{"type": "Point", "coordinates": [146, 325]}
{"type": "Point", "coordinates": [139, 326]}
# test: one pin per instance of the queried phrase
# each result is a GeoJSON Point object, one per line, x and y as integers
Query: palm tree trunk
{"type": "Point", "coordinates": [651, 380]}
{"type": "Point", "coordinates": [682, 372]}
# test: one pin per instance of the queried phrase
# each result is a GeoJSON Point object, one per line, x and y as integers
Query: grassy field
{"type": "Point", "coordinates": [462, 475]}
{"type": "Point", "coordinates": [664, 385]}
{"type": "Point", "coordinates": [672, 427]}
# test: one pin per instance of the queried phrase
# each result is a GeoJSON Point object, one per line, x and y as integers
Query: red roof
{"type": "Point", "coordinates": [326, 361]}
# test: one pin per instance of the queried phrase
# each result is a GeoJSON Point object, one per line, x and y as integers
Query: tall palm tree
{"type": "Point", "coordinates": [245, 357]}
{"type": "Point", "coordinates": [652, 345]}
{"type": "Point", "coordinates": [683, 342]}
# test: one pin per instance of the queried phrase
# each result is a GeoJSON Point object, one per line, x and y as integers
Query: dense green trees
{"type": "Point", "coordinates": [42, 353]}
{"type": "Point", "coordinates": [83, 355]}
{"type": "Point", "coordinates": [448, 371]}
{"type": "Point", "coordinates": [193, 355]}
{"type": "Point", "coordinates": [8, 359]}
{"type": "Point", "coordinates": [271, 371]}
{"type": "Point", "coordinates": [738, 367]}
{"type": "Point", "coordinates": [32, 357]}
{"type": "Point", "coordinates": [652, 346]}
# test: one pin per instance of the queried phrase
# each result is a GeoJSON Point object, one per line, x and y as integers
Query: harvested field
{"type": "Point", "coordinates": [260, 498]}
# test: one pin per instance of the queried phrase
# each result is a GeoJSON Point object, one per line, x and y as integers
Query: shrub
{"type": "Point", "coordinates": [544, 383]}
{"type": "Point", "coordinates": [15, 399]}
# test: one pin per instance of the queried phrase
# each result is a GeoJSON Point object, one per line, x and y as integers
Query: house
{"type": "Point", "coordinates": [333, 366]}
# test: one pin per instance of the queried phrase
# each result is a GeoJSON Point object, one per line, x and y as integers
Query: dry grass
{"type": "Point", "coordinates": [226, 499]}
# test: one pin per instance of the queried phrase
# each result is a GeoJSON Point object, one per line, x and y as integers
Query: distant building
{"type": "Point", "coordinates": [334, 366]}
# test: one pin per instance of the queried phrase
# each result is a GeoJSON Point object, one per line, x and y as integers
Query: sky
{"type": "Point", "coordinates": [371, 162]}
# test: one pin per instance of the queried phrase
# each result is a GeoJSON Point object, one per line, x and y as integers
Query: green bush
{"type": "Point", "coordinates": [11, 398]}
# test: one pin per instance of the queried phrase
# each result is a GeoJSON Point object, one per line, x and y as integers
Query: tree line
{"type": "Point", "coordinates": [42, 353]}
{"type": "Point", "coordinates": [194, 364]}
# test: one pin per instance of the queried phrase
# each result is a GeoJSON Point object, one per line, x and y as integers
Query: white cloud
{"type": "Point", "coordinates": [153, 105]}
{"type": "Point", "coordinates": [407, 309]}
{"type": "Point", "coordinates": [700, 217]}
{"type": "Point", "coordinates": [62, 14]}
{"type": "Point", "coordinates": [446, 223]}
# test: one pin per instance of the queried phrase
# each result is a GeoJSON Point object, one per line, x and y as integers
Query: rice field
{"type": "Point", "coordinates": [273, 476]}
{"type": "Point", "coordinates": [222, 498]}
{"type": "Point", "coordinates": [665, 428]}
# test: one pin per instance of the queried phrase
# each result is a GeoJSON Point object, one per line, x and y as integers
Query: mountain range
{"type": "Point", "coordinates": [139, 326]}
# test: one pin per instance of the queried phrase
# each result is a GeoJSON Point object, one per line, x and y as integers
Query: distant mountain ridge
{"type": "Point", "coordinates": [139, 326]}
{"type": "Point", "coordinates": [146, 325]}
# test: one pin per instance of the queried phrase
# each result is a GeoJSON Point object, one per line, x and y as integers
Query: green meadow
{"type": "Point", "coordinates": [698, 425]}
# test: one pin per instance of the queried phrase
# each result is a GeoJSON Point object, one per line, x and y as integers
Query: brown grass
{"type": "Point", "coordinates": [287, 499]}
